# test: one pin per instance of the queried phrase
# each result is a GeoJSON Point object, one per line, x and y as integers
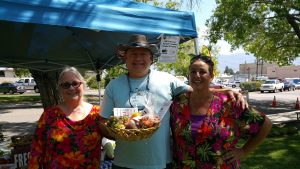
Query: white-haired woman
{"type": "Point", "coordinates": [68, 135]}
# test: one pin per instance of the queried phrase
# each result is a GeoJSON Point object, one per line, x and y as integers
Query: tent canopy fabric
{"type": "Point", "coordinates": [46, 35]}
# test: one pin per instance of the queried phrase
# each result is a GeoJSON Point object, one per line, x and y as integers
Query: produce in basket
{"type": "Point", "coordinates": [135, 127]}
{"type": "Point", "coordinates": [136, 121]}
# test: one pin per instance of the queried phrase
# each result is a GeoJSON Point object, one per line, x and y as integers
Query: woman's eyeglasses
{"type": "Point", "coordinates": [67, 85]}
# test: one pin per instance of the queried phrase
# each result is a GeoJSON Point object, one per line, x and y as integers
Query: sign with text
{"type": "Point", "coordinates": [163, 110]}
{"type": "Point", "coordinates": [168, 48]}
{"type": "Point", "coordinates": [124, 111]}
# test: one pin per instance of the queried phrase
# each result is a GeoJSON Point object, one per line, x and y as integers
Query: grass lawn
{"type": "Point", "coordinates": [29, 98]}
{"type": "Point", "coordinates": [16, 98]}
{"type": "Point", "coordinates": [275, 153]}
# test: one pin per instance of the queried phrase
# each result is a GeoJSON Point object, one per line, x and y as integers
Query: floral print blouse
{"type": "Point", "coordinates": [220, 131]}
{"type": "Point", "coordinates": [61, 143]}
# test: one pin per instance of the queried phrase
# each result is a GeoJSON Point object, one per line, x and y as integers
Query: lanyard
{"type": "Point", "coordinates": [131, 91]}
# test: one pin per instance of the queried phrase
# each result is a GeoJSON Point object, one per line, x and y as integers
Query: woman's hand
{"type": "Point", "coordinates": [234, 155]}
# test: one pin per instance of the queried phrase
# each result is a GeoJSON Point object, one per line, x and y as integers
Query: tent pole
{"type": "Point", "coordinates": [98, 77]}
{"type": "Point", "coordinates": [196, 45]}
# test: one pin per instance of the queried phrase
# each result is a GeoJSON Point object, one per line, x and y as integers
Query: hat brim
{"type": "Point", "coordinates": [121, 49]}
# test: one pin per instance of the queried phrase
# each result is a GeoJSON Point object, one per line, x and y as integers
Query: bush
{"type": "Point", "coordinates": [92, 83]}
{"type": "Point", "coordinates": [250, 86]}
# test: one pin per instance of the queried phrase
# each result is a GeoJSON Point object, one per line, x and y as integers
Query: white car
{"type": "Point", "coordinates": [29, 84]}
{"type": "Point", "coordinates": [272, 86]}
{"type": "Point", "coordinates": [233, 84]}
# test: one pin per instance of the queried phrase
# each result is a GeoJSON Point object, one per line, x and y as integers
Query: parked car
{"type": "Point", "coordinates": [272, 85]}
{"type": "Point", "coordinates": [233, 84]}
{"type": "Point", "coordinates": [11, 88]}
{"type": "Point", "coordinates": [289, 86]}
{"type": "Point", "coordinates": [29, 84]}
{"type": "Point", "coordinates": [216, 85]}
{"type": "Point", "coordinates": [297, 85]}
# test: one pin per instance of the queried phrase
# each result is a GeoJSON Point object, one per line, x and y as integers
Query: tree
{"type": "Point", "coordinates": [268, 29]}
{"type": "Point", "coordinates": [47, 83]}
{"type": "Point", "coordinates": [228, 71]}
{"type": "Point", "coordinates": [180, 67]}
{"type": "Point", "coordinates": [21, 72]}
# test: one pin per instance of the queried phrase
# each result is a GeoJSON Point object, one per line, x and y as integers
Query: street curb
{"type": "Point", "coordinates": [20, 106]}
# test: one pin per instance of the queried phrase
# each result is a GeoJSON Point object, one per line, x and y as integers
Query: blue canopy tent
{"type": "Point", "coordinates": [46, 35]}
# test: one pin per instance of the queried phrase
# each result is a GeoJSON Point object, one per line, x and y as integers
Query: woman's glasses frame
{"type": "Point", "coordinates": [67, 85]}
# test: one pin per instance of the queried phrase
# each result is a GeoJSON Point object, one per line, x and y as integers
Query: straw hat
{"type": "Point", "coordinates": [137, 41]}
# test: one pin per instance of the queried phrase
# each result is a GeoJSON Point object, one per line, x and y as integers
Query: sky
{"type": "Point", "coordinates": [232, 59]}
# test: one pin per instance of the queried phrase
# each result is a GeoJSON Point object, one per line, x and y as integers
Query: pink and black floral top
{"type": "Point", "coordinates": [61, 143]}
{"type": "Point", "coordinates": [218, 132]}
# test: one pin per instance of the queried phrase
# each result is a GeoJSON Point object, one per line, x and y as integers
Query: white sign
{"type": "Point", "coordinates": [124, 111]}
{"type": "Point", "coordinates": [164, 108]}
{"type": "Point", "coordinates": [168, 48]}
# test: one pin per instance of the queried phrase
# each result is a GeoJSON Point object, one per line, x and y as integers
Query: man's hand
{"type": "Point", "coordinates": [233, 95]}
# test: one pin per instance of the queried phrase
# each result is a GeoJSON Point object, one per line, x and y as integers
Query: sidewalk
{"type": "Point", "coordinates": [281, 113]}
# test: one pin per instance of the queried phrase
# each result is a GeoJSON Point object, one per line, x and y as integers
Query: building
{"type": "Point", "coordinates": [7, 75]}
{"type": "Point", "coordinates": [255, 69]}
{"type": "Point", "coordinates": [272, 71]}
{"type": "Point", "coordinates": [283, 72]}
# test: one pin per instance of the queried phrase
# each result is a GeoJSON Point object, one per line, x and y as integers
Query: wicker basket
{"type": "Point", "coordinates": [133, 134]}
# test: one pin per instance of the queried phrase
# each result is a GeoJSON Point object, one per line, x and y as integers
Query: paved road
{"type": "Point", "coordinates": [20, 121]}
{"type": "Point", "coordinates": [16, 122]}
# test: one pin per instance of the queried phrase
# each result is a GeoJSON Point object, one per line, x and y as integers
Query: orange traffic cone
{"type": "Point", "coordinates": [274, 102]}
{"type": "Point", "coordinates": [297, 106]}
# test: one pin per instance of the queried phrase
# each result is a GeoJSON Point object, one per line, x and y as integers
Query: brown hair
{"type": "Point", "coordinates": [205, 59]}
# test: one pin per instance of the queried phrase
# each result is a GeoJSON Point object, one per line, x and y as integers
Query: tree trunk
{"type": "Point", "coordinates": [47, 83]}
{"type": "Point", "coordinates": [291, 20]}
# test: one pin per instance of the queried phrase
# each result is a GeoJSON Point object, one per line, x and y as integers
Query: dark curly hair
{"type": "Point", "coordinates": [205, 59]}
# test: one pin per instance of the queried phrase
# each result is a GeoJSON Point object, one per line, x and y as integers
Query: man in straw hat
{"type": "Point", "coordinates": [131, 90]}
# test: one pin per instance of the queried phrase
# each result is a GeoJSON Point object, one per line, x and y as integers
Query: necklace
{"type": "Point", "coordinates": [138, 91]}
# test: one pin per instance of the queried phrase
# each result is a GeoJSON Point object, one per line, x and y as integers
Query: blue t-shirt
{"type": "Point", "coordinates": [152, 153]}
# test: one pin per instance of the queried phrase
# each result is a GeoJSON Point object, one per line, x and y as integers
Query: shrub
{"type": "Point", "coordinates": [250, 86]}
{"type": "Point", "coordinates": [92, 83]}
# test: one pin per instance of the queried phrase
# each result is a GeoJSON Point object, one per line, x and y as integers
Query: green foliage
{"type": "Point", "coordinates": [92, 82]}
{"type": "Point", "coordinates": [20, 72]}
{"type": "Point", "coordinates": [250, 86]}
{"type": "Point", "coordinates": [180, 67]}
{"type": "Point", "coordinates": [17, 99]}
{"type": "Point", "coordinates": [228, 71]}
{"type": "Point", "coordinates": [267, 29]}
{"type": "Point", "coordinates": [114, 72]}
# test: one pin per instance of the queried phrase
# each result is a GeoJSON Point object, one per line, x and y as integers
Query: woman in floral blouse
{"type": "Point", "coordinates": [68, 135]}
{"type": "Point", "coordinates": [206, 126]}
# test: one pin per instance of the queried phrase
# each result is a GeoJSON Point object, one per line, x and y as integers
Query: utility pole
{"type": "Point", "coordinates": [261, 68]}
{"type": "Point", "coordinates": [257, 63]}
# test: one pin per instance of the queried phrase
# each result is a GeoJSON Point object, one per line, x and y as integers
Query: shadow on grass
{"type": "Point", "coordinates": [275, 153]}
{"type": "Point", "coordinates": [4, 111]}
{"type": "Point", "coordinates": [266, 106]}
